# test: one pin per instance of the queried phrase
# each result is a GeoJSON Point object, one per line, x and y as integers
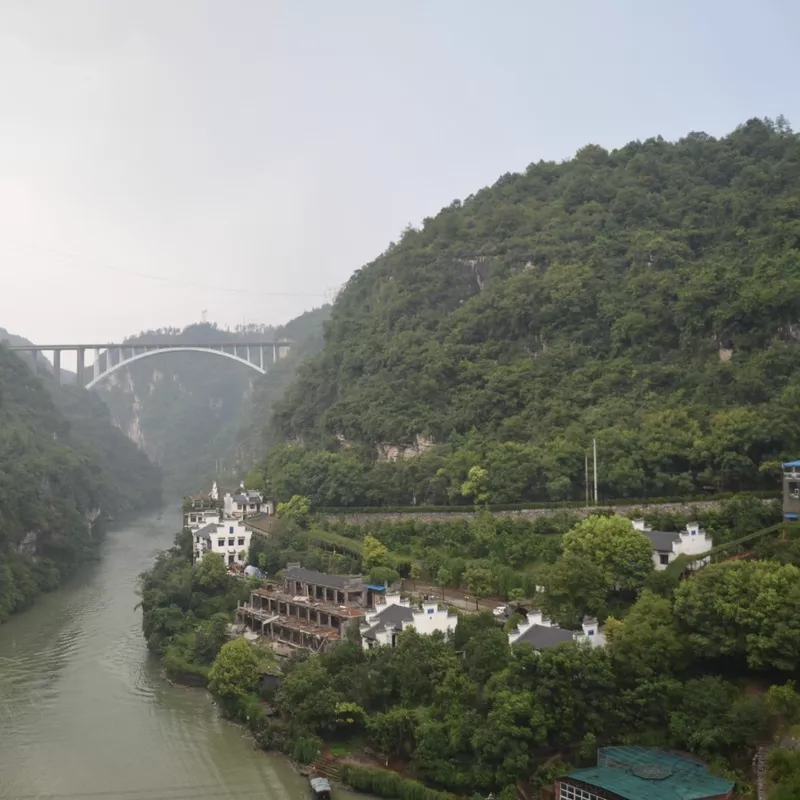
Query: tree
{"type": "Point", "coordinates": [307, 695]}
{"type": "Point", "coordinates": [297, 509]}
{"type": "Point", "coordinates": [393, 731]}
{"type": "Point", "coordinates": [743, 609]}
{"type": "Point", "coordinates": [383, 576]}
{"type": "Point", "coordinates": [210, 574]}
{"type": "Point", "coordinates": [234, 673]}
{"type": "Point", "coordinates": [478, 581]}
{"type": "Point", "coordinates": [624, 554]}
{"type": "Point", "coordinates": [476, 485]}
{"type": "Point", "coordinates": [443, 578]}
{"type": "Point", "coordinates": [375, 553]}
{"type": "Point", "coordinates": [486, 653]}
{"type": "Point", "coordinates": [209, 638]}
{"type": "Point", "coordinates": [575, 586]}
{"type": "Point", "coordinates": [415, 573]}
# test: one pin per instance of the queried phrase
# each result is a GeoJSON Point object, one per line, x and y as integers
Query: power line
{"type": "Point", "coordinates": [177, 281]}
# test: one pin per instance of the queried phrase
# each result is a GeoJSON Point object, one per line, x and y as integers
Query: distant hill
{"type": "Point", "coordinates": [200, 417]}
{"type": "Point", "coordinates": [61, 463]}
{"type": "Point", "coordinates": [648, 297]}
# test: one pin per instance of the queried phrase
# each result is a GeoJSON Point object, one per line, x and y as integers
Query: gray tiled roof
{"type": "Point", "coordinates": [206, 531]}
{"type": "Point", "coordinates": [662, 541]}
{"type": "Point", "coordinates": [393, 616]}
{"type": "Point", "coordinates": [317, 578]}
{"type": "Point", "coordinates": [540, 637]}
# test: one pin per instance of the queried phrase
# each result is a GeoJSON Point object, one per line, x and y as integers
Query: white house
{"type": "Point", "coordinates": [394, 615]}
{"type": "Point", "coordinates": [246, 502]}
{"type": "Point", "coordinates": [668, 545]}
{"type": "Point", "coordinates": [540, 633]}
{"type": "Point", "coordinates": [228, 537]}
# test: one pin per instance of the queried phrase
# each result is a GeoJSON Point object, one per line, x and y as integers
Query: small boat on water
{"type": "Point", "coordinates": [320, 789]}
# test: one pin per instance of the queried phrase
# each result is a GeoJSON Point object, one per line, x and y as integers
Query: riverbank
{"type": "Point", "coordinates": [85, 713]}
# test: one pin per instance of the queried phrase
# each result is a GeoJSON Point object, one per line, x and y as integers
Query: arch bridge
{"type": "Point", "coordinates": [108, 358]}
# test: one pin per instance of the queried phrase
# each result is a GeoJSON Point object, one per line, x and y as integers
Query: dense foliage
{"type": "Point", "coordinates": [202, 417]}
{"type": "Point", "coordinates": [648, 297]}
{"type": "Point", "coordinates": [61, 464]}
{"type": "Point", "coordinates": [186, 609]}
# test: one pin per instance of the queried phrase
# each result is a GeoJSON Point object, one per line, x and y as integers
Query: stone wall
{"type": "Point", "coordinates": [684, 509]}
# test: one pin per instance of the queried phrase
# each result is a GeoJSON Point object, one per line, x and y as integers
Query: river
{"type": "Point", "coordinates": [86, 715]}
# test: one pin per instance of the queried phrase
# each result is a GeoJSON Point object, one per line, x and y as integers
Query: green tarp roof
{"type": "Point", "coordinates": [636, 773]}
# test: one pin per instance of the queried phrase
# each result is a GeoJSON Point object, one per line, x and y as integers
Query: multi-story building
{"type": "Point", "coordinates": [309, 610]}
{"type": "Point", "coordinates": [228, 537]}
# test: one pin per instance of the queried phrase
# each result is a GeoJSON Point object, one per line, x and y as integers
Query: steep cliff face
{"type": "Point", "coordinates": [62, 464]}
{"type": "Point", "coordinates": [199, 416]}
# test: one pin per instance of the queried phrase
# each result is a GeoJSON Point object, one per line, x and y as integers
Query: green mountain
{"type": "Point", "coordinates": [62, 465]}
{"type": "Point", "coordinates": [648, 297]}
{"type": "Point", "coordinates": [200, 417]}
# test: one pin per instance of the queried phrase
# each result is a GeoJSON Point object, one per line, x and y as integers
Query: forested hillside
{"type": "Point", "coordinates": [193, 414]}
{"type": "Point", "coordinates": [648, 296]}
{"type": "Point", "coordinates": [61, 464]}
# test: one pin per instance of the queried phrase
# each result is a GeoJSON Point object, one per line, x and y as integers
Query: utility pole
{"type": "Point", "coordinates": [586, 476]}
{"type": "Point", "coordinates": [594, 448]}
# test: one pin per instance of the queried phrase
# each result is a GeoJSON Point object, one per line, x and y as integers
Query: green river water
{"type": "Point", "coordinates": [86, 715]}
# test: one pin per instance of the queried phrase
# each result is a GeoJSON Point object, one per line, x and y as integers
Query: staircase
{"type": "Point", "coordinates": [326, 766]}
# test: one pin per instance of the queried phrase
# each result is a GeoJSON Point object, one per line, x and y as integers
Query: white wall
{"type": "Point", "coordinates": [194, 520]}
{"type": "Point", "coordinates": [226, 531]}
{"type": "Point", "coordinates": [427, 620]}
{"type": "Point", "coordinates": [430, 618]}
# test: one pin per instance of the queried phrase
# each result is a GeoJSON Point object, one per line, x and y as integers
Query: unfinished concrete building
{"type": "Point", "coordinates": [310, 610]}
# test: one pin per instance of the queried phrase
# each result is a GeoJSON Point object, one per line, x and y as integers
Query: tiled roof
{"type": "Point", "coordinates": [662, 541]}
{"type": "Point", "coordinates": [206, 531]}
{"type": "Point", "coordinates": [540, 637]}
{"type": "Point", "coordinates": [317, 578]}
{"type": "Point", "coordinates": [394, 616]}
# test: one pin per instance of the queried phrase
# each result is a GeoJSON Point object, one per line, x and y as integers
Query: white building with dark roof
{"type": "Point", "coordinates": [540, 633]}
{"type": "Point", "coordinates": [395, 614]}
{"type": "Point", "coordinates": [668, 545]}
{"type": "Point", "coordinates": [246, 502]}
{"type": "Point", "coordinates": [228, 537]}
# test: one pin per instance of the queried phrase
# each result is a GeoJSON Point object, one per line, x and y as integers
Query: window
{"type": "Point", "coordinates": [220, 543]}
{"type": "Point", "coordinates": [590, 632]}
{"type": "Point", "coordinates": [230, 530]}
{"type": "Point", "coordinates": [230, 542]}
{"type": "Point", "coordinates": [663, 558]}
{"type": "Point", "coordinates": [574, 793]}
{"type": "Point", "coordinates": [430, 611]}
{"type": "Point", "coordinates": [241, 541]}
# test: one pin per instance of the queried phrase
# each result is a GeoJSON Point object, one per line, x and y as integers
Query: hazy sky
{"type": "Point", "coordinates": [271, 148]}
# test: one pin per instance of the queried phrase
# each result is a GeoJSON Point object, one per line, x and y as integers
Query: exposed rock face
{"type": "Point", "coordinates": [29, 544]}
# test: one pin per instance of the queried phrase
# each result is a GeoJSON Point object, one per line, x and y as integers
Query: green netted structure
{"type": "Point", "coordinates": [639, 773]}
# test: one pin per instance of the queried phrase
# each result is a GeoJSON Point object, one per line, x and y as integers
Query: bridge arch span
{"type": "Point", "coordinates": [170, 349]}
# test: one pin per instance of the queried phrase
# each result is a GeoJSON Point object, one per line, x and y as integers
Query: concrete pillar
{"type": "Point", "coordinates": [274, 353]}
{"type": "Point", "coordinates": [81, 352]}
{"type": "Point", "coordinates": [261, 357]}
{"type": "Point", "coordinates": [57, 366]}
{"type": "Point", "coordinates": [96, 365]}
{"type": "Point", "coordinates": [248, 353]}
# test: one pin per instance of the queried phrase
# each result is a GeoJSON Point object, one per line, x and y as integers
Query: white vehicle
{"type": "Point", "coordinates": [500, 611]}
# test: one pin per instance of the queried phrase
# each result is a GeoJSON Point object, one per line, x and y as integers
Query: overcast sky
{"type": "Point", "coordinates": [271, 148]}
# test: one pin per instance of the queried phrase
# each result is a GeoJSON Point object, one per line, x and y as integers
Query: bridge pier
{"type": "Point", "coordinates": [96, 365]}
{"type": "Point", "coordinates": [57, 366]}
{"type": "Point", "coordinates": [81, 353]}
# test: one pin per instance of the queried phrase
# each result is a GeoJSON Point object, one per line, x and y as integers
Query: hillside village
{"type": "Point", "coordinates": [287, 604]}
